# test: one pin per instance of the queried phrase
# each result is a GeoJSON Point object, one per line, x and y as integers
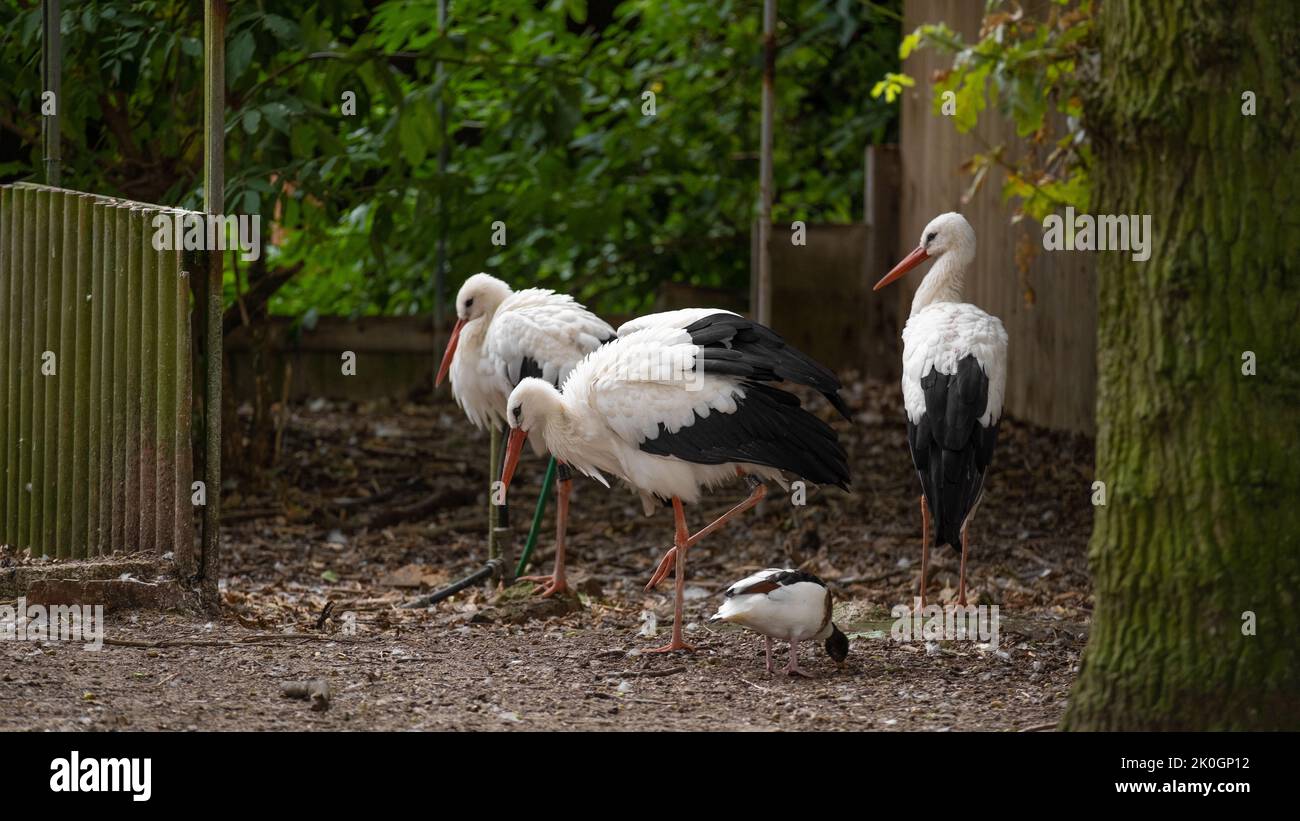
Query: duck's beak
{"type": "Point", "coordinates": [909, 262]}
{"type": "Point", "coordinates": [514, 446]}
{"type": "Point", "coordinates": [450, 354]}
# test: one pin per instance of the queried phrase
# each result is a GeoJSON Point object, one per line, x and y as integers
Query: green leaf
{"type": "Point", "coordinates": [286, 31]}
{"type": "Point", "coordinates": [239, 53]}
{"type": "Point", "coordinates": [277, 116]}
{"type": "Point", "coordinates": [410, 136]}
{"type": "Point", "coordinates": [910, 42]}
{"type": "Point", "coordinates": [577, 9]}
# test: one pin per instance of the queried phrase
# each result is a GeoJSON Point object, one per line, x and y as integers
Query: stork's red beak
{"type": "Point", "coordinates": [514, 446]}
{"type": "Point", "coordinates": [451, 352]}
{"type": "Point", "coordinates": [909, 262]}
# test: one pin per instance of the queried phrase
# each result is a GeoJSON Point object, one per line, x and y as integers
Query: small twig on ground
{"type": "Point", "coordinates": [324, 615]}
{"type": "Point", "coordinates": [671, 671]}
{"type": "Point", "coordinates": [1036, 728]}
{"type": "Point", "coordinates": [247, 640]}
{"type": "Point", "coordinates": [448, 499]}
{"type": "Point", "coordinates": [346, 503]}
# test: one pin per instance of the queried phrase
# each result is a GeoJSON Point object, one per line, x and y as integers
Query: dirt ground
{"type": "Point", "coordinates": [371, 505]}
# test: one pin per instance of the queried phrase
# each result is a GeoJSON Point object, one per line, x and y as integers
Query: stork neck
{"type": "Point", "coordinates": [943, 283]}
{"type": "Point", "coordinates": [474, 334]}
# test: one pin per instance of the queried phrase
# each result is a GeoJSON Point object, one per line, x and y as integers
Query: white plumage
{"type": "Point", "coordinates": [480, 388]}
{"type": "Point", "coordinates": [500, 333]}
{"type": "Point", "coordinates": [552, 329]}
{"type": "Point", "coordinates": [941, 335]}
{"type": "Point", "coordinates": [617, 397]}
{"type": "Point", "coordinates": [790, 612]}
{"type": "Point", "coordinates": [784, 604]}
{"type": "Point", "coordinates": [679, 318]}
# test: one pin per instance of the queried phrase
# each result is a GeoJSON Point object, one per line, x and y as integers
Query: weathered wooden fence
{"type": "Point", "coordinates": [1050, 309]}
{"type": "Point", "coordinates": [95, 377]}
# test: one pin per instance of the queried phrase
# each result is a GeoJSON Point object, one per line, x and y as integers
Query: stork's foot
{"type": "Point", "coordinates": [673, 646]}
{"type": "Point", "coordinates": [549, 585]}
{"type": "Point", "coordinates": [666, 564]}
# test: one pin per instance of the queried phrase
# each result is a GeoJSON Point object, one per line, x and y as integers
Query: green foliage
{"type": "Point", "coordinates": [544, 132]}
{"type": "Point", "coordinates": [1028, 69]}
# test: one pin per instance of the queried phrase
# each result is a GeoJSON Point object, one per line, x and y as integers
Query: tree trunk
{"type": "Point", "coordinates": [1200, 461]}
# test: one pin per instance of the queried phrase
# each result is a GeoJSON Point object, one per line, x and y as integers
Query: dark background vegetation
{"type": "Point", "coordinates": [544, 132]}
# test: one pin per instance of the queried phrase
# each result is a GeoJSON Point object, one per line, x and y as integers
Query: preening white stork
{"type": "Point", "coordinates": [503, 336]}
{"type": "Point", "coordinates": [954, 378]}
{"type": "Point", "coordinates": [785, 604]}
{"type": "Point", "coordinates": [674, 410]}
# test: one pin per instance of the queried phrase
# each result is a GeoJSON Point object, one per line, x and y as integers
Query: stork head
{"type": "Point", "coordinates": [480, 295]}
{"type": "Point", "coordinates": [949, 234]}
{"type": "Point", "coordinates": [531, 404]}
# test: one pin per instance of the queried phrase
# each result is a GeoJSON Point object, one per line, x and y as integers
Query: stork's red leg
{"type": "Point", "coordinates": [768, 640]}
{"type": "Point", "coordinates": [925, 546]}
{"type": "Point", "coordinates": [755, 496]}
{"type": "Point", "coordinates": [961, 586]}
{"type": "Point", "coordinates": [682, 543]}
{"type": "Point", "coordinates": [557, 582]}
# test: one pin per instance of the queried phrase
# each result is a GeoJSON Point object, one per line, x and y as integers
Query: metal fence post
{"type": "Point", "coordinates": [214, 190]}
{"type": "Point", "coordinates": [51, 81]}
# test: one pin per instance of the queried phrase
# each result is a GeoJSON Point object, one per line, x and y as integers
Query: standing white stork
{"type": "Point", "coordinates": [673, 410]}
{"type": "Point", "coordinates": [503, 336]}
{"type": "Point", "coordinates": [954, 378]}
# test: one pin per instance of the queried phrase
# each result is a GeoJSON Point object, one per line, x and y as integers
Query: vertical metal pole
{"type": "Point", "coordinates": [440, 266]}
{"type": "Point", "coordinates": [763, 310]}
{"type": "Point", "coordinates": [214, 197]}
{"type": "Point", "coordinates": [51, 81]}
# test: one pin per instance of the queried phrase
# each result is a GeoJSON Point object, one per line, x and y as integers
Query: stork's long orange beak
{"type": "Point", "coordinates": [514, 446]}
{"type": "Point", "coordinates": [450, 354]}
{"type": "Point", "coordinates": [909, 262]}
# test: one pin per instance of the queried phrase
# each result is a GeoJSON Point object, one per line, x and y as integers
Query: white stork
{"type": "Point", "coordinates": [673, 410]}
{"type": "Point", "coordinates": [954, 378]}
{"type": "Point", "coordinates": [503, 336]}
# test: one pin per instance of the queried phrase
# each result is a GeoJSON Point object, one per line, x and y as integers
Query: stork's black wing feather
{"type": "Point", "coordinates": [736, 346]}
{"type": "Point", "coordinates": [769, 428]}
{"type": "Point", "coordinates": [950, 448]}
{"type": "Point", "coordinates": [528, 367]}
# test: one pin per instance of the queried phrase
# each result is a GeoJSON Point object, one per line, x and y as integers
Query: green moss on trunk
{"type": "Point", "coordinates": [1201, 462]}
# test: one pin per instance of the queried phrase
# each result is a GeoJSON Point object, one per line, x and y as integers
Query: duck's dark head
{"type": "Point", "coordinates": [837, 646]}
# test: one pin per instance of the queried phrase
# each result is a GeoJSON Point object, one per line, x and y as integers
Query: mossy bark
{"type": "Point", "coordinates": [1201, 462]}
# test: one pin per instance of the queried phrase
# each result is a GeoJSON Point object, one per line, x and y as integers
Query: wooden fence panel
{"type": "Point", "coordinates": [96, 445]}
